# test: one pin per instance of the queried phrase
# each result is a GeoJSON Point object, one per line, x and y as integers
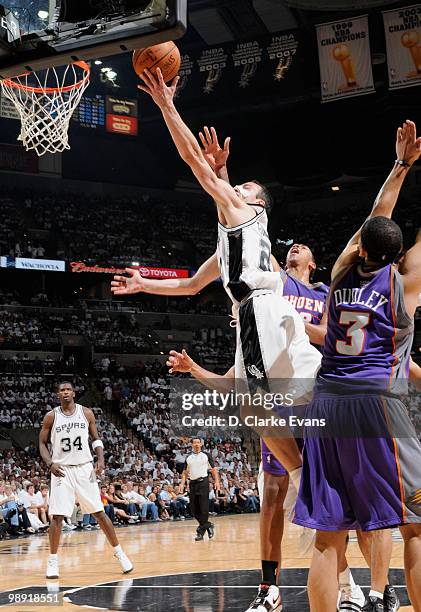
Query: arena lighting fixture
{"type": "Point", "coordinates": [98, 62]}
{"type": "Point", "coordinates": [335, 188]}
{"type": "Point", "coordinates": [74, 11]}
{"type": "Point", "coordinates": [135, 263]}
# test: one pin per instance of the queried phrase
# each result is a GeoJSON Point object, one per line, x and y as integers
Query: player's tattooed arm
{"type": "Point", "coordinates": [408, 151]}
{"type": "Point", "coordinates": [44, 437]}
{"type": "Point", "coordinates": [135, 283]}
{"type": "Point", "coordinates": [215, 155]}
{"type": "Point", "coordinates": [93, 432]}
{"type": "Point", "coordinates": [410, 269]}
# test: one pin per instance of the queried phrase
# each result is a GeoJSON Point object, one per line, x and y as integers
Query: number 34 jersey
{"type": "Point", "coordinates": [369, 334]}
{"type": "Point", "coordinates": [70, 437]}
{"type": "Point", "coordinates": [244, 256]}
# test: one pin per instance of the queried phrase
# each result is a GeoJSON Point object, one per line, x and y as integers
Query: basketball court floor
{"type": "Point", "coordinates": [172, 571]}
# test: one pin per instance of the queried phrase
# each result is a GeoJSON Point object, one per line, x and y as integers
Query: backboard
{"type": "Point", "coordinates": [36, 34]}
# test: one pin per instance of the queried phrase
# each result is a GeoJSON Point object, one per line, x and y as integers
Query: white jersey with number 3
{"type": "Point", "coordinates": [70, 437]}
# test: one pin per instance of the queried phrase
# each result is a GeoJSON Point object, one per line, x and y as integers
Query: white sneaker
{"type": "Point", "coordinates": [268, 600]}
{"type": "Point", "coordinates": [68, 527]}
{"type": "Point", "coordinates": [126, 564]}
{"type": "Point", "coordinates": [52, 568]}
{"type": "Point", "coordinates": [351, 599]}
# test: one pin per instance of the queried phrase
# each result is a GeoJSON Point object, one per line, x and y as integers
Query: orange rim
{"type": "Point", "coordinates": [49, 90]}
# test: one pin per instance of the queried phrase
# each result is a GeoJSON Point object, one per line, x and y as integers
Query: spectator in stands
{"type": "Point", "coordinates": [34, 503]}
{"type": "Point", "coordinates": [108, 506]}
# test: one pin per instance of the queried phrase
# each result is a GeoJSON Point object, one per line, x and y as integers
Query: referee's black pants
{"type": "Point", "coordinates": [199, 503]}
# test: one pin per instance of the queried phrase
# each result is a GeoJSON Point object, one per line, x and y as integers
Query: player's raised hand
{"type": "Point", "coordinates": [179, 362]}
{"type": "Point", "coordinates": [128, 285]}
{"type": "Point", "coordinates": [408, 146]}
{"type": "Point", "coordinates": [215, 155]}
{"type": "Point", "coordinates": [155, 86]}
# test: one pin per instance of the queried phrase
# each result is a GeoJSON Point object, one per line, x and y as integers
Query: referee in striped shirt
{"type": "Point", "coordinates": [196, 469]}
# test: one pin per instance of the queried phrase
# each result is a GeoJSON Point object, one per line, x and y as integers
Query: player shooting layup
{"type": "Point", "coordinates": [244, 257]}
{"type": "Point", "coordinates": [73, 476]}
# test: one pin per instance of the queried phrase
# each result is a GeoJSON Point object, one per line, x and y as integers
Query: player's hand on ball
{"type": "Point", "coordinates": [56, 470]}
{"type": "Point", "coordinates": [179, 362]}
{"type": "Point", "coordinates": [408, 146]}
{"type": "Point", "coordinates": [128, 285]}
{"type": "Point", "coordinates": [215, 156]}
{"type": "Point", "coordinates": [155, 86]}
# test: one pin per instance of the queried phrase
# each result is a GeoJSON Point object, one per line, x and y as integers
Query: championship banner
{"type": "Point", "coordinates": [145, 271]}
{"type": "Point", "coordinates": [403, 43]}
{"type": "Point", "coordinates": [345, 59]}
{"type": "Point", "coordinates": [121, 116]}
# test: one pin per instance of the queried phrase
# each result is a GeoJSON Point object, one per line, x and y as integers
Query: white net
{"type": "Point", "coordinates": [45, 103]}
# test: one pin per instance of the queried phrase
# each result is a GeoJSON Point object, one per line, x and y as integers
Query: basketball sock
{"type": "Point", "coordinates": [295, 476]}
{"type": "Point", "coordinates": [346, 579]}
{"type": "Point", "coordinates": [375, 594]}
{"type": "Point", "coordinates": [54, 556]}
{"type": "Point", "coordinates": [269, 569]}
{"type": "Point", "coordinates": [117, 549]}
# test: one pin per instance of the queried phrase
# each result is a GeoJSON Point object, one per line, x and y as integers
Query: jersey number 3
{"type": "Point", "coordinates": [66, 444]}
{"type": "Point", "coordinates": [356, 323]}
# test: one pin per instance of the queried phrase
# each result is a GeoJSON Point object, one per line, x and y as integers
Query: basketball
{"type": "Point", "coordinates": [165, 56]}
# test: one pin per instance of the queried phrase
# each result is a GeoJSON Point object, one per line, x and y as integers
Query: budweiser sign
{"type": "Point", "coordinates": [79, 266]}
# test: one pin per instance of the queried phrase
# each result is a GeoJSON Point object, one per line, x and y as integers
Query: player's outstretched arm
{"type": "Point", "coordinates": [408, 150]}
{"type": "Point", "coordinates": [182, 362]}
{"type": "Point", "coordinates": [135, 283]}
{"type": "Point", "coordinates": [186, 143]}
{"type": "Point", "coordinates": [411, 271]}
{"type": "Point", "coordinates": [44, 437]}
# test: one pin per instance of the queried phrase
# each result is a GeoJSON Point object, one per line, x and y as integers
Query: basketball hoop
{"type": "Point", "coordinates": [45, 103]}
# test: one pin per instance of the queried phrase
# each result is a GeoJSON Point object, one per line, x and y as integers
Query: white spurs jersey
{"type": "Point", "coordinates": [244, 256]}
{"type": "Point", "coordinates": [70, 437]}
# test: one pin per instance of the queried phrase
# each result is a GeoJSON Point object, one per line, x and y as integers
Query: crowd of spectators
{"type": "Point", "coordinates": [116, 231]}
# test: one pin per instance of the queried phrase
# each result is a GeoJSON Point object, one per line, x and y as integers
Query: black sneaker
{"type": "Point", "coordinates": [391, 600]}
{"type": "Point", "coordinates": [373, 604]}
{"type": "Point", "coordinates": [211, 531]}
{"type": "Point", "coordinates": [199, 537]}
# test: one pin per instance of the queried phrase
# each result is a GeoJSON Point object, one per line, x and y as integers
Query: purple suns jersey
{"type": "Point", "coordinates": [369, 334]}
{"type": "Point", "coordinates": [308, 300]}
{"type": "Point", "coordinates": [310, 303]}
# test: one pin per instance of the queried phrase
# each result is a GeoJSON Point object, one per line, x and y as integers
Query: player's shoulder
{"type": "Point", "coordinates": [322, 287]}
{"type": "Point", "coordinates": [49, 417]}
{"type": "Point", "coordinates": [88, 412]}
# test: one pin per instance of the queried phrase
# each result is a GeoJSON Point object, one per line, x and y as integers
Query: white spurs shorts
{"type": "Point", "coordinates": [79, 484]}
